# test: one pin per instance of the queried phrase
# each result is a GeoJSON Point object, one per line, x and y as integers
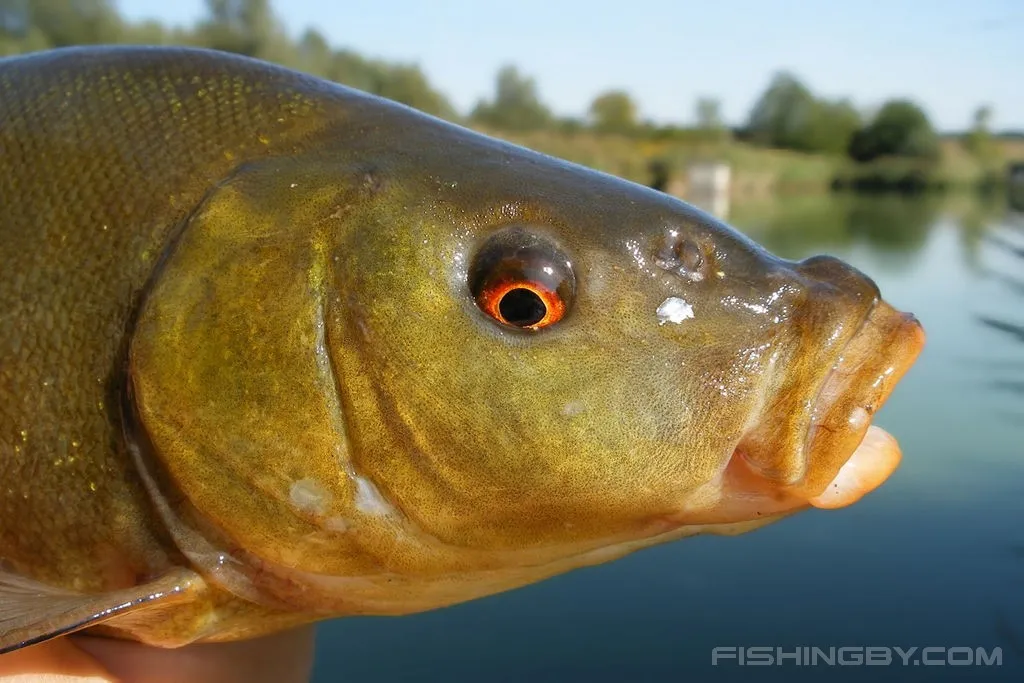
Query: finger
{"type": "Point", "coordinates": [285, 657]}
{"type": "Point", "coordinates": [55, 661]}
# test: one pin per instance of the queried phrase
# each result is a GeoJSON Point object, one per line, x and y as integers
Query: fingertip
{"type": "Point", "coordinates": [285, 657]}
{"type": "Point", "coordinates": [55, 661]}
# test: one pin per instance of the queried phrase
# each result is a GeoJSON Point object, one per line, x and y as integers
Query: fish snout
{"type": "Point", "coordinates": [842, 455]}
{"type": "Point", "coordinates": [830, 274]}
{"type": "Point", "coordinates": [825, 268]}
{"type": "Point", "coordinates": [813, 441]}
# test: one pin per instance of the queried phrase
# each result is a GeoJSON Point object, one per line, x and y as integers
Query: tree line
{"type": "Point", "coordinates": [786, 116]}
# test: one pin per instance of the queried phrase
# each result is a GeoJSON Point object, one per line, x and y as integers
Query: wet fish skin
{"type": "Point", "coordinates": [239, 340]}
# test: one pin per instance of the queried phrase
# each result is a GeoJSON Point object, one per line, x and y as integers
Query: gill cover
{"type": "Point", "coordinates": [236, 417]}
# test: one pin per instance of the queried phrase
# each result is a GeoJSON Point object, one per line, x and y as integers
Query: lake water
{"type": "Point", "coordinates": [935, 558]}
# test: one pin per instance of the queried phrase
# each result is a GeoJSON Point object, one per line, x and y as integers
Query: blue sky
{"type": "Point", "coordinates": [948, 55]}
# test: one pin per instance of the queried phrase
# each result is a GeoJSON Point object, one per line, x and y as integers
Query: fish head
{"type": "Point", "coordinates": [386, 387]}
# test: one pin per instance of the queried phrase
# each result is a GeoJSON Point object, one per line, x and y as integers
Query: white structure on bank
{"type": "Point", "coordinates": [708, 185]}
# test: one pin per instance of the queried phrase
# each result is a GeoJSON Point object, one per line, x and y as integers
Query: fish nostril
{"type": "Point", "coordinates": [681, 256]}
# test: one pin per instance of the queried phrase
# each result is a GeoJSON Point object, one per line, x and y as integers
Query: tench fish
{"type": "Point", "coordinates": [273, 350]}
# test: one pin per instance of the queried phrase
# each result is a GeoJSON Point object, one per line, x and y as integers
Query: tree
{"type": "Point", "coordinates": [900, 128]}
{"type": "Point", "coordinates": [832, 126]}
{"type": "Point", "coordinates": [15, 18]}
{"type": "Point", "coordinates": [516, 105]}
{"type": "Point", "coordinates": [407, 84]}
{"type": "Point", "coordinates": [314, 53]}
{"type": "Point", "coordinates": [979, 140]}
{"type": "Point", "coordinates": [789, 116]}
{"type": "Point", "coordinates": [783, 114]}
{"type": "Point", "coordinates": [18, 33]}
{"type": "Point", "coordinates": [246, 27]}
{"type": "Point", "coordinates": [59, 23]}
{"type": "Point", "coordinates": [983, 118]}
{"type": "Point", "coordinates": [709, 114]}
{"type": "Point", "coordinates": [569, 125]}
{"type": "Point", "coordinates": [613, 112]}
{"type": "Point", "coordinates": [351, 69]}
{"type": "Point", "coordinates": [151, 32]}
{"type": "Point", "coordinates": [710, 124]}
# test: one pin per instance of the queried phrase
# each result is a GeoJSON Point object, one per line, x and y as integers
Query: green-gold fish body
{"type": "Point", "coordinates": [273, 350]}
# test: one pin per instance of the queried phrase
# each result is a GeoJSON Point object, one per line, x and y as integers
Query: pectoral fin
{"type": "Point", "coordinates": [32, 612]}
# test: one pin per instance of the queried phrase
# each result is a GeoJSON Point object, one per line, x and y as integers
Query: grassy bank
{"type": "Point", "coordinates": [760, 172]}
{"type": "Point", "coordinates": [755, 171]}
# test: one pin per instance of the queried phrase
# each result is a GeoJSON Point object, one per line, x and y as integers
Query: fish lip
{"type": "Point", "coordinates": [778, 453]}
{"type": "Point", "coordinates": [871, 363]}
{"type": "Point", "coordinates": [820, 400]}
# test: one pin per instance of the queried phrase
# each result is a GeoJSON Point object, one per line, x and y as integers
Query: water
{"type": "Point", "coordinates": [935, 558]}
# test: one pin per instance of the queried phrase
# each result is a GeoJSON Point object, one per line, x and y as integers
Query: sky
{"type": "Point", "coordinates": [950, 56]}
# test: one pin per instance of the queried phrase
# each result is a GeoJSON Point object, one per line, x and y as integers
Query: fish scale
{"type": "Point", "coordinates": [95, 142]}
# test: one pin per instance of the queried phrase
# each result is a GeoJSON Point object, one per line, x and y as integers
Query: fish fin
{"type": "Point", "coordinates": [32, 612]}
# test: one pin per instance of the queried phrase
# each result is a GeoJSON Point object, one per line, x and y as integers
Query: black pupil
{"type": "Point", "coordinates": [522, 307]}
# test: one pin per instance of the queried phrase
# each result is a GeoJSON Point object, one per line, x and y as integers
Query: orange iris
{"type": "Point", "coordinates": [533, 295]}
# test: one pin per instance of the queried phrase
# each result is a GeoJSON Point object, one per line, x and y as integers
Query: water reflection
{"type": "Point", "coordinates": [895, 227]}
{"type": "Point", "coordinates": [1016, 195]}
{"type": "Point", "coordinates": [1009, 635]}
{"type": "Point", "coordinates": [1012, 329]}
{"type": "Point", "coordinates": [1006, 245]}
{"type": "Point", "coordinates": [975, 216]}
{"type": "Point", "coordinates": [1008, 281]}
{"type": "Point", "coordinates": [1009, 320]}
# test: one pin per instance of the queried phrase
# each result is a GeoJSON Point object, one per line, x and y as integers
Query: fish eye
{"type": "Point", "coordinates": [522, 280]}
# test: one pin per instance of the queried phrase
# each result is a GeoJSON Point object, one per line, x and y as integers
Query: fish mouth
{"type": "Point", "coordinates": [842, 456]}
{"type": "Point", "coordinates": [848, 456]}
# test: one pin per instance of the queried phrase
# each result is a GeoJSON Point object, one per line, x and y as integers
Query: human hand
{"type": "Point", "coordinates": [285, 657]}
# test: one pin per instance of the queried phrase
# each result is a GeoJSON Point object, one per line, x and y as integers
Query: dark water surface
{"type": "Point", "coordinates": [935, 558]}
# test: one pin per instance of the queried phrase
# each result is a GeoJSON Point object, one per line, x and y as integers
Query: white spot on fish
{"type": "Point", "coordinates": [859, 418]}
{"type": "Point", "coordinates": [573, 408]}
{"type": "Point", "coordinates": [309, 496]}
{"type": "Point", "coordinates": [339, 524]}
{"type": "Point", "coordinates": [369, 500]}
{"type": "Point", "coordinates": [674, 310]}
{"type": "Point", "coordinates": [597, 276]}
